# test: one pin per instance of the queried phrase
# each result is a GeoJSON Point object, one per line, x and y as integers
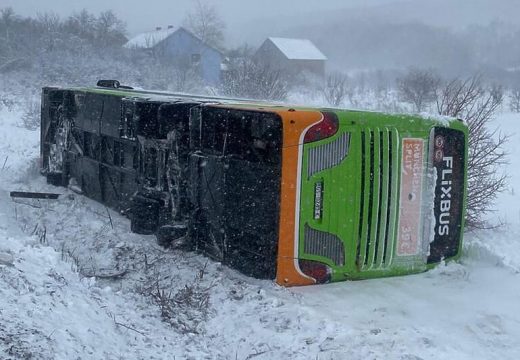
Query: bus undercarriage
{"type": "Point", "coordinates": [203, 177]}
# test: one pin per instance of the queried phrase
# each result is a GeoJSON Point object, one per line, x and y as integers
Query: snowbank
{"type": "Point", "coordinates": [74, 284]}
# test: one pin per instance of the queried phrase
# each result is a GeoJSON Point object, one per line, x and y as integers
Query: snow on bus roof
{"type": "Point", "coordinates": [298, 49]}
{"type": "Point", "coordinates": [443, 119]}
{"type": "Point", "coordinates": [149, 39]}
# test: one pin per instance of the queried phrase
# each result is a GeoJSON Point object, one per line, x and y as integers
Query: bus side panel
{"type": "Point", "coordinates": [89, 178]}
{"type": "Point", "coordinates": [111, 116]}
{"type": "Point", "coordinates": [44, 127]}
{"type": "Point", "coordinates": [90, 110]}
{"type": "Point", "coordinates": [101, 164]}
{"type": "Point", "coordinates": [207, 181]}
{"type": "Point", "coordinates": [52, 100]}
{"type": "Point", "coordinates": [252, 204]}
{"type": "Point", "coordinates": [109, 179]}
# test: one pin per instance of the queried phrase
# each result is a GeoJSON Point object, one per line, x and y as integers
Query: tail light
{"type": "Point", "coordinates": [327, 127]}
{"type": "Point", "coordinates": [316, 270]}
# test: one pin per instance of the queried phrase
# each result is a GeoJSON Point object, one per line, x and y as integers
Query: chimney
{"type": "Point", "coordinates": [170, 26]}
{"type": "Point", "coordinates": [158, 28]}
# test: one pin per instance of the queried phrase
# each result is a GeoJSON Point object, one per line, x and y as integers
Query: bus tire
{"type": "Point", "coordinates": [172, 235]}
{"type": "Point", "coordinates": [144, 215]}
{"type": "Point", "coordinates": [57, 179]}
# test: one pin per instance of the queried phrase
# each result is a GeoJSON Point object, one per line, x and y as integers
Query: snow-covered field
{"type": "Point", "coordinates": [76, 284]}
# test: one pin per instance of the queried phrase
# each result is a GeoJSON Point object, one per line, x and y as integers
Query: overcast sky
{"type": "Point", "coordinates": [146, 15]}
{"type": "Point", "coordinates": [252, 21]}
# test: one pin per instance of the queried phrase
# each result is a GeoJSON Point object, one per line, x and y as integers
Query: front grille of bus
{"type": "Point", "coordinates": [379, 197]}
{"type": "Point", "coordinates": [328, 155]}
{"type": "Point", "coordinates": [324, 244]}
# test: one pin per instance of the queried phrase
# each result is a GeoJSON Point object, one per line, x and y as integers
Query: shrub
{"type": "Point", "coordinates": [418, 87]}
{"type": "Point", "coordinates": [469, 100]}
{"type": "Point", "coordinates": [336, 88]}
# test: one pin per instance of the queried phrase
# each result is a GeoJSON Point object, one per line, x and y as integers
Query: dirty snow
{"type": "Point", "coordinates": [76, 284]}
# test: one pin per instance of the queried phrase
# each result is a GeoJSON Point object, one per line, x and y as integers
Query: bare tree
{"type": "Point", "coordinates": [418, 87]}
{"type": "Point", "coordinates": [205, 23]}
{"type": "Point", "coordinates": [514, 100]}
{"type": "Point", "coordinates": [167, 74]}
{"type": "Point", "coordinates": [50, 24]}
{"type": "Point", "coordinates": [336, 88]}
{"type": "Point", "coordinates": [82, 24]}
{"type": "Point", "coordinates": [245, 78]}
{"type": "Point", "coordinates": [109, 29]}
{"type": "Point", "coordinates": [470, 101]}
{"type": "Point", "coordinates": [7, 19]}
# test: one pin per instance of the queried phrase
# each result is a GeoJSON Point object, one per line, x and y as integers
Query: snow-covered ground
{"type": "Point", "coordinates": [76, 284]}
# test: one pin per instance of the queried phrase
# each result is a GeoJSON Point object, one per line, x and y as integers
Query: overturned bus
{"type": "Point", "coordinates": [301, 195]}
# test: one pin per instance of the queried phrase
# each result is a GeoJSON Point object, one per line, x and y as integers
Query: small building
{"type": "Point", "coordinates": [182, 49]}
{"type": "Point", "coordinates": [293, 56]}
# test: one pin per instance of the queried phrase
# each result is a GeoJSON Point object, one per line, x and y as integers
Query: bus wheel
{"type": "Point", "coordinates": [144, 215]}
{"type": "Point", "coordinates": [57, 179]}
{"type": "Point", "coordinates": [172, 236]}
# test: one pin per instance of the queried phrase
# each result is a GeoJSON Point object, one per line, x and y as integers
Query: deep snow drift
{"type": "Point", "coordinates": [76, 284]}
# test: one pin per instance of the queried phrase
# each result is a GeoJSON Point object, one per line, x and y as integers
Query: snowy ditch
{"type": "Point", "coordinates": [76, 284]}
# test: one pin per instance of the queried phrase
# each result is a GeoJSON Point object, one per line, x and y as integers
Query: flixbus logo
{"type": "Point", "coordinates": [445, 204]}
{"type": "Point", "coordinates": [448, 160]}
{"type": "Point", "coordinates": [445, 178]}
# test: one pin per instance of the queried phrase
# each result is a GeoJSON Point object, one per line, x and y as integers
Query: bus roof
{"type": "Point", "coordinates": [240, 103]}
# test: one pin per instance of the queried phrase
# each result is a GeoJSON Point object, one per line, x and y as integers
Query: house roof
{"type": "Point", "coordinates": [298, 49]}
{"type": "Point", "coordinates": [149, 39]}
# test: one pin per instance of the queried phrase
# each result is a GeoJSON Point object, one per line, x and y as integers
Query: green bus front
{"type": "Point", "coordinates": [383, 196]}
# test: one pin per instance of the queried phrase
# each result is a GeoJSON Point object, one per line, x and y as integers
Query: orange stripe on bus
{"type": "Point", "coordinates": [294, 123]}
